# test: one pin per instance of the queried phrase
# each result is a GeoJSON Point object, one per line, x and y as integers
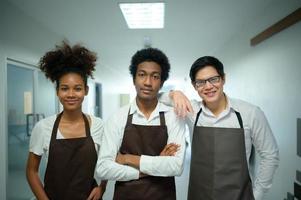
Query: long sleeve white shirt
{"type": "Point", "coordinates": [108, 169]}
{"type": "Point", "coordinates": [257, 132]}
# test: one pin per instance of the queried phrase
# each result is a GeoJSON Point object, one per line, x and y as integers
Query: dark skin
{"type": "Point", "coordinates": [147, 83]}
{"type": "Point", "coordinates": [71, 93]}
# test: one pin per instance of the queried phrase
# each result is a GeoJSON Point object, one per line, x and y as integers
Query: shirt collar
{"type": "Point", "coordinates": [159, 108]}
{"type": "Point", "coordinates": [229, 107]}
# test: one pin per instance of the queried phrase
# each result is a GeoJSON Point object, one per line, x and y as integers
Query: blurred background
{"type": "Point", "coordinates": [267, 74]}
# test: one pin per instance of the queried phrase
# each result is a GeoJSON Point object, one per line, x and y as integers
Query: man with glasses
{"type": "Point", "coordinates": [224, 132]}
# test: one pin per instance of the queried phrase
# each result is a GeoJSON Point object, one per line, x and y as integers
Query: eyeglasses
{"type": "Point", "coordinates": [213, 80]}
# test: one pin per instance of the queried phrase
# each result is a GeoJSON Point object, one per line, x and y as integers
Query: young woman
{"type": "Point", "coordinates": [70, 141]}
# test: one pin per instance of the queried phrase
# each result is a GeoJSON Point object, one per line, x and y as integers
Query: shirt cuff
{"type": "Point", "coordinates": [131, 174]}
{"type": "Point", "coordinates": [146, 164]}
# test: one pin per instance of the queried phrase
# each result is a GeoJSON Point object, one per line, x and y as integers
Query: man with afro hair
{"type": "Point", "coordinates": [144, 144]}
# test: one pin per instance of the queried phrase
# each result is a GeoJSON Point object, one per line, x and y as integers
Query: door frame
{"type": "Point", "coordinates": [35, 70]}
{"type": "Point", "coordinates": [99, 91]}
{"type": "Point", "coordinates": [3, 125]}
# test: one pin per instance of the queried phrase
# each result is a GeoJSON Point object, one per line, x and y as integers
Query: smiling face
{"type": "Point", "coordinates": [148, 81]}
{"type": "Point", "coordinates": [71, 91]}
{"type": "Point", "coordinates": [212, 91]}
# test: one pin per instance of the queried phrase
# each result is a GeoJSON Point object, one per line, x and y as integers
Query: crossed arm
{"type": "Point", "coordinates": [134, 160]}
{"type": "Point", "coordinates": [112, 165]}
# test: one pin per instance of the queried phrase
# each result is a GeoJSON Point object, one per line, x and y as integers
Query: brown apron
{"type": "Point", "coordinates": [70, 168]}
{"type": "Point", "coordinates": [145, 140]}
{"type": "Point", "coordinates": [219, 169]}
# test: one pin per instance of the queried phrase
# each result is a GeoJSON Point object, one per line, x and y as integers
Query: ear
{"type": "Point", "coordinates": [87, 90]}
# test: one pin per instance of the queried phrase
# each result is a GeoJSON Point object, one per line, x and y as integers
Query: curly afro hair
{"type": "Point", "coordinates": [154, 55]}
{"type": "Point", "coordinates": [65, 59]}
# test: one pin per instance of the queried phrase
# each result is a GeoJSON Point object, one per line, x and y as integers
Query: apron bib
{"type": "Point", "coordinates": [71, 164]}
{"type": "Point", "coordinates": [219, 168]}
{"type": "Point", "coordinates": [145, 140]}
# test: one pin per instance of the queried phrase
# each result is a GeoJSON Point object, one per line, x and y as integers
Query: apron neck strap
{"type": "Point", "coordinates": [56, 126]}
{"type": "Point", "coordinates": [87, 126]}
{"type": "Point", "coordinates": [162, 118]}
{"type": "Point", "coordinates": [197, 117]}
{"type": "Point", "coordinates": [237, 115]}
{"type": "Point", "coordinates": [57, 121]}
{"type": "Point", "coordinates": [239, 119]}
{"type": "Point", "coordinates": [161, 114]}
{"type": "Point", "coordinates": [130, 117]}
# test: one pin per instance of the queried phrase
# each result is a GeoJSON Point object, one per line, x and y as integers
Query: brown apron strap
{"type": "Point", "coordinates": [197, 117]}
{"type": "Point", "coordinates": [87, 126]}
{"type": "Point", "coordinates": [56, 126]}
{"type": "Point", "coordinates": [237, 115]}
{"type": "Point", "coordinates": [162, 118]}
{"type": "Point", "coordinates": [239, 119]}
{"type": "Point", "coordinates": [130, 118]}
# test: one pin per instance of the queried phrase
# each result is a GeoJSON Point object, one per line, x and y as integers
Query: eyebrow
{"type": "Point", "coordinates": [140, 70]}
{"type": "Point", "coordinates": [206, 78]}
{"type": "Point", "coordinates": [78, 85]}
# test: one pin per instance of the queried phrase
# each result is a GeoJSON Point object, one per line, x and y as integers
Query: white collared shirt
{"type": "Point", "coordinates": [257, 132]}
{"type": "Point", "coordinates": [108, 169]}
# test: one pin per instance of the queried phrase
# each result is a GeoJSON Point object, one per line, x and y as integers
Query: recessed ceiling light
{"type": "Point", "coordinates": [143, 15]}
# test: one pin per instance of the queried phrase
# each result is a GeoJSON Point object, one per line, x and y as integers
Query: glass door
{"type": "Point", "coordinates": [30, 98]}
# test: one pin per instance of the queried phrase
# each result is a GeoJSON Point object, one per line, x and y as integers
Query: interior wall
{"type": "Point", "coordinates": [268, 75]}
{"type": "Point", "coordinates": [23, 39]}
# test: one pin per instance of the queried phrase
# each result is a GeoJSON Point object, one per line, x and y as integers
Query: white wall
{"type": "Point", "coordinates": [112, 87]}
{"type": "Point", "coordinates": [269, 75]}
{"type": "Point", "coordinates": [23, 39]}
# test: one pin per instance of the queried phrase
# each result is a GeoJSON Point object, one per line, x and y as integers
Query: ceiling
{"type": "Point", "coordinates": [192, 28]}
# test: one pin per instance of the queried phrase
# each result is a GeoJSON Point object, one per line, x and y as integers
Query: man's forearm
{"type": "Point", "coordinates": [128, 159]}
{"type": "Point", "coordinates": [132, 160]}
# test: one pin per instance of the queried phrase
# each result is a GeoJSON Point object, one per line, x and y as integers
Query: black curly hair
{"type": "Point", "coordinates": [154, 55]}
{"type": "Point", "coordinates": [65, 59]}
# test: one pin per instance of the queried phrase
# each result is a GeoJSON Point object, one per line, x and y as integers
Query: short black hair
{"type": "Point", "coordinates": [150, 55]}
{"type": "Point", "coordinates": [203, 62]}
{"type": "Point", "coordinates": [66, 59]}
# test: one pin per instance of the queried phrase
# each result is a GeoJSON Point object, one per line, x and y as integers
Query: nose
{"type": "Point", "coordinates": [70, 93]}
{"type": "Point", "coordinates": [147, 80]}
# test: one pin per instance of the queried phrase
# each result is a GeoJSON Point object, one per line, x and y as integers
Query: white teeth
{"type": "Point", "coordinates": [210, 94]}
